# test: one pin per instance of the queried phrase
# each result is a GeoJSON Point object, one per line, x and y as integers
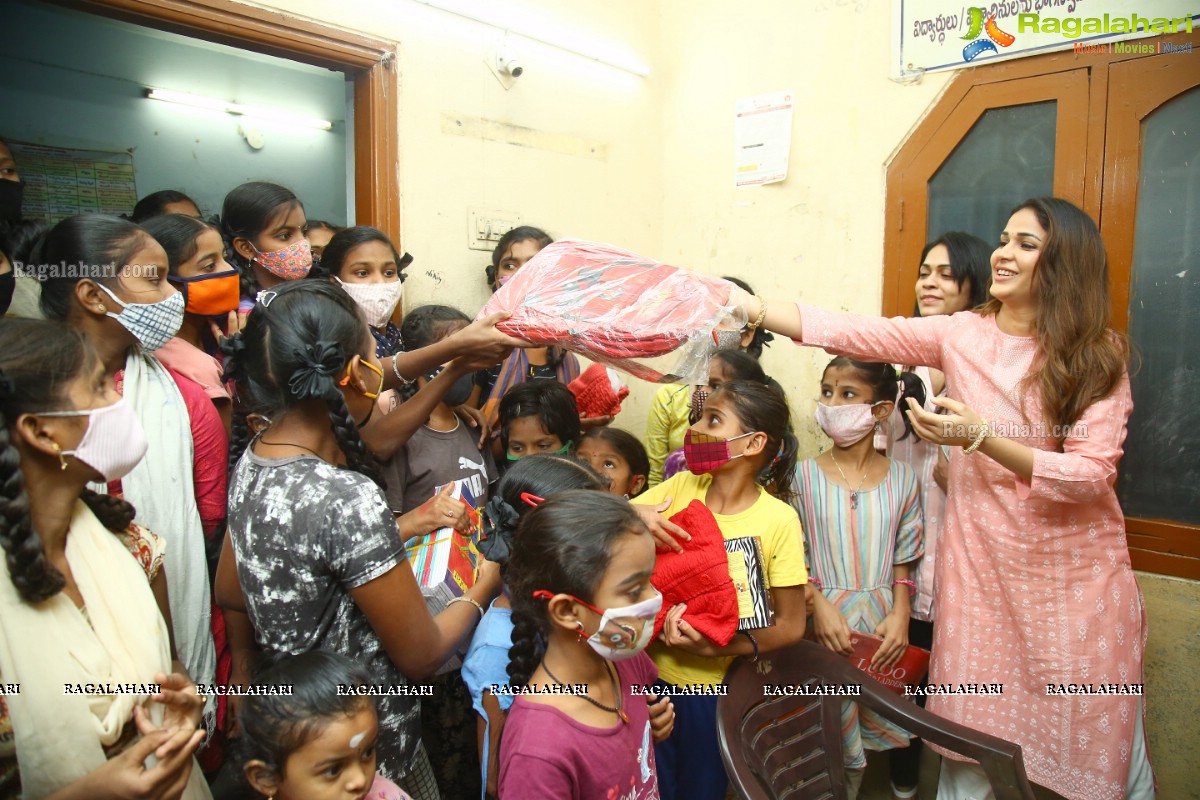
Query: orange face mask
{"type": "Point", "coordinates": [209, 295]}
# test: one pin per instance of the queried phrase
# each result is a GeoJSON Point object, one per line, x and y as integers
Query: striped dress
{"type": "Point", "coordinates": [851, 551]}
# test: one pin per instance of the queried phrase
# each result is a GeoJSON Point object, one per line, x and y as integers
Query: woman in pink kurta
{"type": "Point", "coordinates": [1035, 587]}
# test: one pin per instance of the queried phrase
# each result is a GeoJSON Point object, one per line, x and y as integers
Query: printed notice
{"type": "Point", "coordinates": [762, 138]}
{"type": "Point", "coordinates": [61, 182]}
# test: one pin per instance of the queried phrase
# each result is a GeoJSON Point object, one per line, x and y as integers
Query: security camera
{"type": "Point", "coordinates": [508, 63]}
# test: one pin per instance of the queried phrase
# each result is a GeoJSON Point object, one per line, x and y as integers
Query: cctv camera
{"type": "Point", "coordinates": [508, 63]}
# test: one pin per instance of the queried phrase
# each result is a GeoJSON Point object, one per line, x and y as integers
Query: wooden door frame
{"type": "Point", "coordinates": [368, 61]}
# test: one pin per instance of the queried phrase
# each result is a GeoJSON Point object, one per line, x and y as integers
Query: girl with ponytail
{"type": "Point", "coordinates": [83, 586]}
{"type": "Point", "coordinates": [313, 554]}
{"type": "Point", "coordinates": [584, 610]}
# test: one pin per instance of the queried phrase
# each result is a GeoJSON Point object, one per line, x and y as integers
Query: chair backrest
{"type": "Point", "coordinates": [779, 745]}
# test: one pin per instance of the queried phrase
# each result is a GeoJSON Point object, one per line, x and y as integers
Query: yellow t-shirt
{"type": "Point", "coordinates": [778, 528]}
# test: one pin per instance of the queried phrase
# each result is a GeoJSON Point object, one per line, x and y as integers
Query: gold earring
{"type": "Point", "coordinates": [62, 462]}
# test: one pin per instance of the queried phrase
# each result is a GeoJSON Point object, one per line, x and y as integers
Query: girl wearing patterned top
{"type": "Point", "coordinates": [861, 515]}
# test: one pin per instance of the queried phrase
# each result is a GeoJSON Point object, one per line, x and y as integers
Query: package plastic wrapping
{"type": "Point", "coordinates": [650, 319]}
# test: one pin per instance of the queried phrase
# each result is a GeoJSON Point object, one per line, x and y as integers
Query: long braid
{"type": "Point", "coordinates": [345, 429]}
{"type": "Point", "coordinates": [32, 574]}
{"type": "Point", "coordinates": [526, 651]}
{"type": "Point", "coordinates": [113, 512]}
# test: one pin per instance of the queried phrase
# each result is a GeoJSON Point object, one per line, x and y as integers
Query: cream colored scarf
{"type": "Point", "coordinates": [50, 649]}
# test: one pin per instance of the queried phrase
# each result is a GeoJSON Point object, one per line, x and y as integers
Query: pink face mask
{"type": "Point", "coordinates": [846, 424]}
{"type": "Point", "coordinates": [289, 263]}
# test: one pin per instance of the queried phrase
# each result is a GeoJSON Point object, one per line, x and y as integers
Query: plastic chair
{"type": "Point", "coordinates": [777, 747]}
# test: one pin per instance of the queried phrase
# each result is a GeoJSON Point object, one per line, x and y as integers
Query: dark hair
{"type": "Point", "coordinates": [249, 210]}
{"type": "Point", "coordinates": [155, 204]}
{"type": "Point", "coordinates": [627, 445]}
{"type": "Point", "coordinates": [548, 400]}
{"type": "Point", "coordinates": [294, 350]}
{"type": "Point", "coordinates": [177, 233]}
{"type": "Point", "coordinates": [542, 475]}
{"type": "Point", "coordinates": [562, 546]}
{"type": "Point", "coordinates": [345, 240]}
{"type": "Point", "coordinates": [38, 359]}
{"type": "Point", "coordinates": [764, 408]}
{"type": "Point", "coordinates": [519, 234]}
{"type": "Point", "coordinates": [762, 337]}
{"type": "Point", "coordinates": [885, 381]}
{"type": "Point", "coordinates": [320, 223]}
{"type": "Point", "coordinates": [742, 366]}
{"type": "Point", "coordinates": [275, 725]}
{"type": "Point", "coordinates": [970, 261]}
{"type": "Point", "coordinates": [426, 325]}
{"type": "Point", "coordinates": [1080, 359]}
{"type": "Point", "coordinates": [98, 243]}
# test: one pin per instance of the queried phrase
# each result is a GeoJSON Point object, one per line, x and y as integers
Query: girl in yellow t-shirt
{"type": "Point", "coordinates": [742, 443]}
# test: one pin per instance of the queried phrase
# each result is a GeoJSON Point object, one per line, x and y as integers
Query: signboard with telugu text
{"type": "Point", "coordinates": [934, 35]}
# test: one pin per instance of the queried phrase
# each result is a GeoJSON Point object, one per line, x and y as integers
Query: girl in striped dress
{"type": "Point", "coordinates": [861, 515]}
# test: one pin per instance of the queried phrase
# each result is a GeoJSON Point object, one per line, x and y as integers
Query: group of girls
{"type": "Point", "coordinates": [348, 428]}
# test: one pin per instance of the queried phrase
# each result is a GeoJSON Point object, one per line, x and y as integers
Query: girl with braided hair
{"type": "Point", "coordinates": [83, 601]}
{"type": "Point", "coordinates": [313, 553]}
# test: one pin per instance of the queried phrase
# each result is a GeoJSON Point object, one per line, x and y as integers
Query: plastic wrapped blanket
{"type": "Point", "coordinates": [652, 320]}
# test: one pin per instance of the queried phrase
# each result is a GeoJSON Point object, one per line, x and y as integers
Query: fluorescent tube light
{"type": "Point", "coordinates": [257, 112]}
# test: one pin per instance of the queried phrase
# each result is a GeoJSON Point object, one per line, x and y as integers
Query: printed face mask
{"type": "Point", "coordinates": [699, 398]}
{"type": "Point", "coordinates": [727, 340]}
{"type": "Point", "coordinates": [846, 424]}
{"type": "Point", "coordinates": [460, 390]}
{"type": "Point", "coordinates": [376, 300]}
{"type": "Point", "coordinates": [209, 295]}
{"type": "Point", "coordinates": [704, 453]}
{"type": "Point", "coordinates": [289, 263]}
{"type": "Point", "coordinates": [623, 632]}
{"type": "Point", "coordinates": [152, 324]}
{"type": "Point", "coordinates": [114, 442]}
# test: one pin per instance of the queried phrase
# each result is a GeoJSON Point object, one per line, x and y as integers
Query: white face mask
{"type": "Point", "coordinates": [114, 442]}
{"type": "Point", "coordinates": [152, 324]}
{"type": "Point", "coordinates": [847, 424]}
{"type": "Point", "coordinates": [377, 300]}
{"type": "Point", "coordinates": [617, 637]}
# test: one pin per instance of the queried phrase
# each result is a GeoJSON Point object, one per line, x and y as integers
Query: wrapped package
{"type": "Point", "coordinates": [652, 320]}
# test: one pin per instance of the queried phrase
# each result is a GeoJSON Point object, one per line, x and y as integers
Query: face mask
{"type": "Point", "coordinates": [562, 451]}
{"type": "Point", "coordinates": [460, 390]}
{"type": "Point", "coordinates": [11, 195]}
{"type": "Point", "coordinates": [290, 263]}
{"type": "Point", "coordinates": [846, 424]}
{"type": "Point", "coordinates": [727, 340]}
{"type": "Point", "coordinates": [377, 300]}
{"type": "Point", "coordinates": [503, 279]}
{"type": "Point", "coordinates": [618, 636]}
{"type": "Point", "coordinates": [699, 398]}
{"type": "Point", "coordinates": [152, 324]}
{"type": "Point", "coordinates": [114, 442]}
{"type": "Point", "coordinates": [8, 284]}
{"type": "Point", "coordinates": [209, 295]}
{"type": "Point", "coordinates": [704, 453]}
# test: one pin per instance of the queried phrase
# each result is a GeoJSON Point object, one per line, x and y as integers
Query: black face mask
{"type": "Point", "coordinates": [460, 390]}
{"type": "Point", "coordinates": [11, 194]}
{"type": "Point", "coordinates": [8, 283]}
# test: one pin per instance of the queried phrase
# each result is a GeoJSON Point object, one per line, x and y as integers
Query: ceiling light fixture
{"type": "Point", "coordinates": [239, 109]}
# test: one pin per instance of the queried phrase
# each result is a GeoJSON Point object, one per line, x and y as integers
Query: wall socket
{"type": "Point", "coordinates": [485, 227]}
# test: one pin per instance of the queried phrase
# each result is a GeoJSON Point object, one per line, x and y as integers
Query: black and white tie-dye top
{"type": "Point", "coordinates": [305, 533]}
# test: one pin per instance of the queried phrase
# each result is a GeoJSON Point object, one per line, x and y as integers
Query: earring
{"type": "Point", "coordinates": [62, 462]}
{"type": "Point", "coordinates": [579, 625]}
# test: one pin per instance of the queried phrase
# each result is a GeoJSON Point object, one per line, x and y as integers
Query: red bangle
{"type": "Point", "coordinates": [912, 585]}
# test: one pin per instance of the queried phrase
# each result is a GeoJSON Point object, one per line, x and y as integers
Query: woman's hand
{"type": "Point", "coordinates": [830, 627]}
{"type": "Point", "coordinates": [587, 423]}
{"type": "Point", "coordinates": [958, 428]}
{"type": "Point", "coordinates": [183, 705]}
{"type": "Point", "coordinates": [474, 418]}
{"type": "Point", "coordinates": [487, 578]}
{"type": "Point", "coordinates": [482, 340]}
{"type": "Point", "coordinates": [894, 630]}
{"type": "Point", "coordinates": [667, 534]}
{"type": "Point", "coordinates": [676, 632]}
{"type": "Point", "coordinates": [125, 777]}
{"type": "Point", "coordinates": [440, 511]}
{"type": "Point", "coordinates": [234, 323]}
{"type": "Point", "coordinates": [662, 717]}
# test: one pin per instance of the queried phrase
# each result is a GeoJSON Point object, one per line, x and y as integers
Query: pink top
{"type": "Point", "coordinates": [194, 364]}
{"type": "Point", "coordinates": [383, 789]}
{"type": "Point", "coordinates": [1034, 582]}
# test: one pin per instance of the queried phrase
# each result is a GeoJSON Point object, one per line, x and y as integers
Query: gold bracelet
{"type": "Point", "coordinates": [984, 432]}
{"type": "Point", "coordinates": [465, 599]}
{"type": "Point", "coordinates": [762, 313]}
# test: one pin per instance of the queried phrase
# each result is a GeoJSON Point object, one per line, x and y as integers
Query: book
{"type": "Point", "coordinates": [908, 671]}
{"type": "Point", "coordinates": [746, 568]}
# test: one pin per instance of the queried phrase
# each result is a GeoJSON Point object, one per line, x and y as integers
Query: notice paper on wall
{"type": "Point", "coordinates": [762, 138]}
{"type": "Point", "coordinates": [61, 182]}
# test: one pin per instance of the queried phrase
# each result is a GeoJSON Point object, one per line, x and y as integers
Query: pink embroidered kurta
{"type": "Point", "coordinates": [1034, 583]}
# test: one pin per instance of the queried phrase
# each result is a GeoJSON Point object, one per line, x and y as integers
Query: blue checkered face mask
{"type": "Point", "coordinates": [152, 324]}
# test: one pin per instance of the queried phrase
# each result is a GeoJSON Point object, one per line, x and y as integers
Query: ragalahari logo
{"type": "Point", "coordinates": [983, 36]}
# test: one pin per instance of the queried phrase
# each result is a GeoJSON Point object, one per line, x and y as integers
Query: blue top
{"type": "Point", "coordinates": [486, 663]}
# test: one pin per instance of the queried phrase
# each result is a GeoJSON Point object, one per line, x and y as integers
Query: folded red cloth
{"type": "Point", "coordinates": [594, 395]}
{"type": "Point", "coordinates": [699, 577]}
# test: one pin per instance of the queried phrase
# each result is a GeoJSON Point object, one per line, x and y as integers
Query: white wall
{"type": "Point", "coordinates": [72, 79]}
